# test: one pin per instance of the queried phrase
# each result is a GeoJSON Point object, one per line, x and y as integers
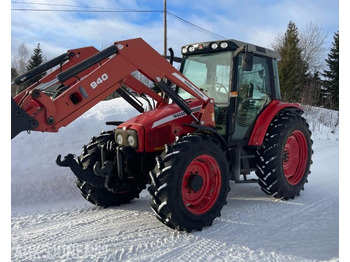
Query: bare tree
{"type": "Point", "coordinates": [277, 42]}
{"type": "Point", "coordinates": [14, 74]}
{"type": "Point", "coordinates": [19, 65]}
{"type": "Point", "coordinates": [312, 53]}
{"type": "Point", "coordinates": [312, 91]}
{"type": "Point", "coordinates": [20, 60]}
{"type": "Point", "coordinates": [312, 44]}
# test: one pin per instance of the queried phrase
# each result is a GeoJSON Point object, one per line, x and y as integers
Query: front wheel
{"type": "Point", "coordinates": [190, 183]}
{"type": "Point", "coordinates": [283, 161]}
{"type": "Point", "coordinates": [128, 187]}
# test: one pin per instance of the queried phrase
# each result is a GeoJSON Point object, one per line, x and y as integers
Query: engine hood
{"type": "Point", "coordinates": [161, 126]}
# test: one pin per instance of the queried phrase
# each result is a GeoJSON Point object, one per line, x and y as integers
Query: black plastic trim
{"type": "Point", "coordinates": [83, 65]}
{"type": "Point", "coordinates": [42, 68]}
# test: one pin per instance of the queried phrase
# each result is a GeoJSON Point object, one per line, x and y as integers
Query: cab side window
{"type": "Point", "coordinates": [254, 93]}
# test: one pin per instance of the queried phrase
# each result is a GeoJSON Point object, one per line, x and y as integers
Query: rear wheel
{"type": "Point", "coordinates": [102, 196]}
{"type": "Point", "coordinates": [190, 183]}
{"type": "Point", "coordinates": [283, 161]}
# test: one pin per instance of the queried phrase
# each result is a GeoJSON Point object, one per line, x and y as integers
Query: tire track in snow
{"type": "Point", "coordinates": [132, 233]}
{"type": "Point", "coordinates": [253, 227]}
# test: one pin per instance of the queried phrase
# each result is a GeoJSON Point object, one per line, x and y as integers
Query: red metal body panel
{"type": "Point", "coordinates": [161, 125]}
{"type": "Point", "coordinates": [80, 54]}
{"type": "Point", "coordinates": [265, 118]}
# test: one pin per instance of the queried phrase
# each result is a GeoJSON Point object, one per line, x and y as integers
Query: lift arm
{"type": "Point", "coordinates": [85, 77]}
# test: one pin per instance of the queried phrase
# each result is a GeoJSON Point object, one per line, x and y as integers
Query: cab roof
{"type": "Point", "coordinates": [229, 44]}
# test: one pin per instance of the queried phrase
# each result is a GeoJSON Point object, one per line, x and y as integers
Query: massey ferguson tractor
{"type": "Point", "coordinates": [219, 118]}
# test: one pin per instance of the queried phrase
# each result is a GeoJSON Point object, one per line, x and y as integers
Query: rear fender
{"type": "Point", "coordinates": [263, 122]}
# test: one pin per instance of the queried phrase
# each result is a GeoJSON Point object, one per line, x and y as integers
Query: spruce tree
{"type": "Point", "coordinates": [331, 82]}
{"type": "Point", "coordinates": [35, 60]}
{"type": "Point", "coordinates": [292, 69]}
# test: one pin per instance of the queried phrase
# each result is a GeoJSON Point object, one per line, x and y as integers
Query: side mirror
{"type": "Point", "coordinates": [247, 61]}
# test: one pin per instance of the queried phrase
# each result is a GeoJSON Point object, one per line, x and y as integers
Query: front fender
{"type": "Point", "coordinates": [266, 116]}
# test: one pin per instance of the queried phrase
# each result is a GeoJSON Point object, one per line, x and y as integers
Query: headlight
{"type": "Point", "coordinates": [223, 44]}
{"type": "Point", "coordinates": [126, 137]}
{"type": "Point", "coordinates": [191, 49]}
{"type": "Point", "coordinates": [214, 45]}
{"type": "Point", "coordinates": [120, 139]}
{"type": "Point", "coordinates": [131, 141]}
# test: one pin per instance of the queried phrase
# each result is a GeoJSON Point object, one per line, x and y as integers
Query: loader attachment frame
{"type": "Point", "coordinates": [20, 120]}
{"type": "Point", "coordinates": [86, 77]}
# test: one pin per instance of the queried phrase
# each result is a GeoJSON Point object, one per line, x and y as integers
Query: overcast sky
{"type": "Point", "coordinates": [254, 21]}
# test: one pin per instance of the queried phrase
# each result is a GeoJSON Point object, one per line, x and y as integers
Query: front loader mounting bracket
{"type": "Point", "coordinates": [20, 120]}
{"type": "Point", "coordinates": [86, 175]}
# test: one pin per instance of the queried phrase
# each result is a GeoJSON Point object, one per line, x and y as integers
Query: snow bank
{"type": "Point", "coordinates": [324, 123]}
{"type": "Point", "coordinates": [36, 179]}
{"type": "Point", "coordinates": [51, 221]}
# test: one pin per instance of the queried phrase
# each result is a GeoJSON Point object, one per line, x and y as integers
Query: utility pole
{"type": "Point", "coordinates": [165, 29]}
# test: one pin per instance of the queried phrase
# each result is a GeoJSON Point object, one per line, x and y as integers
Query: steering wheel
{"type": "Point", "coordinates": [221, 86]}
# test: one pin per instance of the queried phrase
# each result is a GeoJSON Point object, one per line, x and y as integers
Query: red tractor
{"type": "Point", "coordinates": [217, 119]}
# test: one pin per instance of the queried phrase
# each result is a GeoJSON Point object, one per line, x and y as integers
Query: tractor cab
{"type": "Point", "coordinates": [240, 77]}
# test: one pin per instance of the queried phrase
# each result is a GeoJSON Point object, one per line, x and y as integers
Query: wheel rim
{"type": "Point", "coordinates": [295, 155]}
{"type": "Point", "coordinates": [201, 184]}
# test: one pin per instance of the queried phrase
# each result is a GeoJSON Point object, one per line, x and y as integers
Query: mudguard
{"type": "Point", "coordinates": [265, 118]}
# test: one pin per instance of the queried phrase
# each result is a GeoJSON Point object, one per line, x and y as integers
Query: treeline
{"type": "Point", "coordinates": [21, 64]}
{"type": "Point", "coordinates": [305, 76]}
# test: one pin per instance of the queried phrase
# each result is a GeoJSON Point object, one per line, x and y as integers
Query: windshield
{"type": "Point", "coordinates": [211, 73]}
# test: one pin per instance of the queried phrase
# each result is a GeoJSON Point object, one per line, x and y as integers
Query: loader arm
{"type": "Point", "coordinates": [80, 86]}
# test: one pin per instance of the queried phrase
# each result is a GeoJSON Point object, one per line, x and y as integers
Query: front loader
{"type": "Point", "coordinates": [217, 119]}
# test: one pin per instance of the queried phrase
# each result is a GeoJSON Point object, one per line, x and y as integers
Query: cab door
{"type": "Point", "coordinates": [254, 93]}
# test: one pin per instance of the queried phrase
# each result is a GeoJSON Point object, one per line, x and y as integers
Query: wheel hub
{"type": "Point", "coordinates": [201, 184]}
{"type": "Point", "coordinates": [294, 157]}
{"type": "Point", "coordinates": [195, 182]}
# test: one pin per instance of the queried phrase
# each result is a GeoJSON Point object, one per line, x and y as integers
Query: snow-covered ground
{"type": "Point", "coordinates": [51, 222]}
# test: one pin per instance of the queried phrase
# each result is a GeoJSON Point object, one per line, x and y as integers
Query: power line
{"type": "Point", "coordinates": [86, 11]}
{"type": "Point", "coordinates": [196, 26]}
{"type": "Point", "coordinates": [107, 10]}
{"type": "Point", "coordinates": [63, 5]}
{"type": "Point", "coordinates": [36, 3]}
{"type": "Point", "coordinates": [93, 9]}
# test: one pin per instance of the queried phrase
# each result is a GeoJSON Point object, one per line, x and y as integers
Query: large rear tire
{"type": "Point", "coordinates": [284, 159]}
{"type": "Point", "coordinates": [102, 196]}
{"type": "Point", "coordinates": [190, 183]}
